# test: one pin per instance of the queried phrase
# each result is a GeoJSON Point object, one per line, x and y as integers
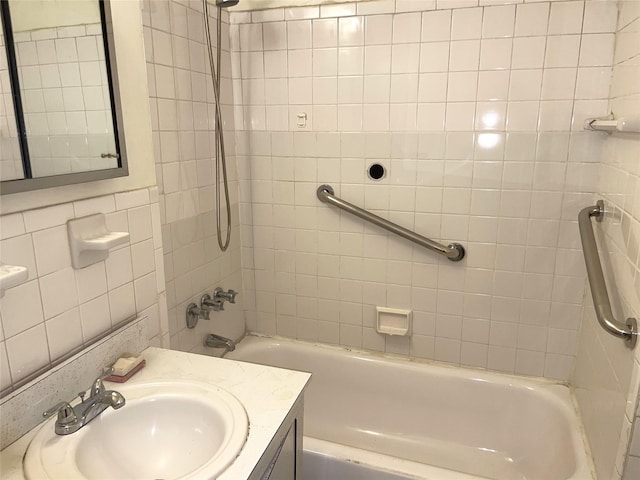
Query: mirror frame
{"type": "Point", "coordinates": [27, 184]}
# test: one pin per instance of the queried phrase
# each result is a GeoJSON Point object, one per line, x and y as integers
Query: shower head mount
{"type": "Point", "coordinates": [226, 3]}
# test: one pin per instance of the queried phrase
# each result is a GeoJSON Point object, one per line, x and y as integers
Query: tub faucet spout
{"type": "Point", "coordinates": [218, 341]}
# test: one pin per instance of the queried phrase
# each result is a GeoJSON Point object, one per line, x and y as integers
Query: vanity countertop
{"type": "Point", "coordinates": [267, 394]}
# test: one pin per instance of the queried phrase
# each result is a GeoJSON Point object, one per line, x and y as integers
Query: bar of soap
{"type": "Point", "coordinates": [132, 372]}
{"type": "Point", "coordinates": [125, 364]}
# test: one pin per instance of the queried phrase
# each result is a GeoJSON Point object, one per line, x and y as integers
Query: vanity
{"type": "Point", "coordinates": [269, 445]}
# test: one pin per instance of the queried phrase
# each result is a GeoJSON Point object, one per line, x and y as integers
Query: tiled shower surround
{"type": "Point", "coordinates": [477, 115]}
{"type": "Point", "coordinates": [603, 369]}
{"type": "Point", "coordinates": [182, 114]}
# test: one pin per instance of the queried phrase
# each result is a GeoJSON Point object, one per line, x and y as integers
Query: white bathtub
{"type": "Point", "coordinates": [366, 412]}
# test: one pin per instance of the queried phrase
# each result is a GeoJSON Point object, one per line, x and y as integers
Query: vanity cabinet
{"type": "Point", "coordinates": [272, 399]}
{"type": "Point", "coordinates": [283, 457]}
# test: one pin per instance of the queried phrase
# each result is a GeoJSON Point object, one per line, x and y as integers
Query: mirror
{"type": "Point", "coordinates": [10, 159]}
{"type": "Point", "coordinates": [58, 125]}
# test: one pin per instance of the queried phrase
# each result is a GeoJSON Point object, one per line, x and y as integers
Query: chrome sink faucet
{"type": "Point", "coordinates": [71, 419]}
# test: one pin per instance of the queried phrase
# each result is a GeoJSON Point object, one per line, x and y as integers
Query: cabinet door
{"type": "Point", "coordinates": [284, 465]}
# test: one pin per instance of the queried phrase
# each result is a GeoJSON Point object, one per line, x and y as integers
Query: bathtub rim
{"type": "Point", "coordinates": [557, 392]}
{"type": "Point", "coordinates": [380, 461]}
{"type": "Point", "coordinates": [459, 371]}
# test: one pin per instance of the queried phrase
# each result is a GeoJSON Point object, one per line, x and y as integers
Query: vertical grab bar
{"type": "Point", "coordinates": [629, 331]}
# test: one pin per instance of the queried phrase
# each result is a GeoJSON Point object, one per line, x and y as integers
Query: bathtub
{"type": "Point", "coordinates": [368, 416]}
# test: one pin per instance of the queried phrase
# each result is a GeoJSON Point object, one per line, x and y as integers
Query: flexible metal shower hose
{"type": "Point", "coordinates": [220, 156]}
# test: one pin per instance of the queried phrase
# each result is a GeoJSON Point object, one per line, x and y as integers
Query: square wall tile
{"type": "Point", "coordinates": [498, 21]}
{"type": "Point", "coordinates": [436, 26]}
{"type": "Point", "coordinates": [5, 372]}
{"type": "Point", "coordinates": [19, 251]}
{"type": "Point", "coordinates": [406, 27]}
{"type": "Point", "coordinates": [565, 18]}
{"type": "Point", "coordinates": [378, 29]}
{"type": "Point", "coordinates": [466, 23]}
{"type": "Point", "coordinates": [531, 19]}
{"type": "Point", "coordinates": [95, 317]}
{"type": "Point", "coordinates": [21, 308]}
{"type": "Point", "coordinates": [27, 352]}
{"type": "Point", "coordinates": [52, 240]}
{"type": "Point", "coordinates": [58, 292]}
{"type": "Point", "coordinates": [64, 333]}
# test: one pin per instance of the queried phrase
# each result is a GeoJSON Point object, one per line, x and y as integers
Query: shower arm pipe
{"type": "Point", "coordinates": [627, 331]}
{"type": "Point", "coordinates": [454, 251]}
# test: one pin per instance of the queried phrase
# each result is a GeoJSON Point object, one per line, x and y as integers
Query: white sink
{"type": "Point", "coordinates": [166, 430]}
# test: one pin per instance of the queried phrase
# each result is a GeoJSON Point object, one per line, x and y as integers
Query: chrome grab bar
{"type": "Point", "coordinates": [629, 331]}
{"type": "Point", "coordinates": [454, 251]}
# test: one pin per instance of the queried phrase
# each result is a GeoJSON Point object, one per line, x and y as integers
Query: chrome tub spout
{"type": "Point", "coordinates": [217, 341]}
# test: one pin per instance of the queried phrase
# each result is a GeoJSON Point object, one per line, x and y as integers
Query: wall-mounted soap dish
{"type": "Point", "coordinates": [90, 240]}
{"type": "Point", "coordinates": [394, 321]}
{"type": "Point", "coordinates": [12, 275]}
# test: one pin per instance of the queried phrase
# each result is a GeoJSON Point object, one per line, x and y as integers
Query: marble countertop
{"type": "Point", "coordinates": [266, 393]}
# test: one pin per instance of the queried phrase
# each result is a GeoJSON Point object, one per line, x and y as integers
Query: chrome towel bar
{"type": "Point", "coordinates": [629, 331]}
{"type": "Point", "coordinates": [454, 251]}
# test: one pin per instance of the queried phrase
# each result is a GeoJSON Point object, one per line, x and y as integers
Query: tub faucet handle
{"type": "Point", "coordinates": [228, 296]}
{"type": "Point", "coordinates": [207, 303]}
{"type": "Point", "coordinates": [232, 295]}
{"type": "Point", "coordinates": [194, 313]}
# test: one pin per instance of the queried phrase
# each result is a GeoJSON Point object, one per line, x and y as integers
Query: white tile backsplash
{"type": "Point", "coordinates": [21, 308]}
{"type": "Point", "coordinates": [58, 294]}
{"type": "Point", "coordinates": [60, 309]}
{"type": "Point", "coordinates": [27, 352]}
{"type": "Point", "coordinates": [47, 217]}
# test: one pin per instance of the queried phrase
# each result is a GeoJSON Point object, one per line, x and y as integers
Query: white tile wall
{"type": "Point", "coordinates": [477, 115]}
{"type": "Point", "coordinates": [183, 113]}
{"type": "Point", "coordinates": [59, 310]}
{"type": "Point", "coordinates": [603, 366]}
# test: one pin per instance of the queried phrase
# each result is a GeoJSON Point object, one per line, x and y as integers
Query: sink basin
{"type": "Point", "coordinates": [166, 430]}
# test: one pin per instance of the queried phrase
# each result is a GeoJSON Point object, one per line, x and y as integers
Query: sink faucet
{"type": "Point", "coordinates": [71, 419]}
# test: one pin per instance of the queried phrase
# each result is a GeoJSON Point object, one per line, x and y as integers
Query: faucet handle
{"type": "Point", "coordinates": [232, 295]}
{"type": "Point", "coordinates": [98, 387]}
{"type": "Point", "coordinates": [66, 414]}
{"type": "Point", "coordinates": [229, 296]}
{"type": "Point", "coordinates": [207, 303]}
